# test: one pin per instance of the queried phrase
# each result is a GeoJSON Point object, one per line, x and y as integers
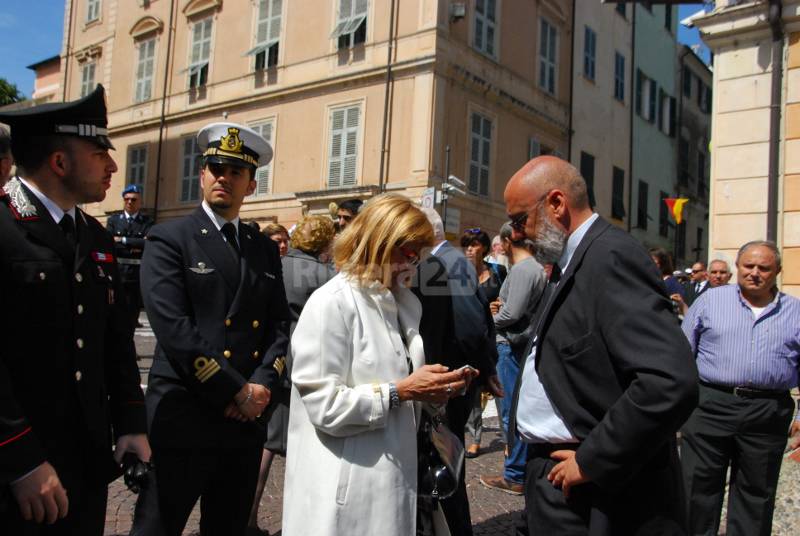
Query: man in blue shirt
{"type": "Point", "coordinates": [746, 340]}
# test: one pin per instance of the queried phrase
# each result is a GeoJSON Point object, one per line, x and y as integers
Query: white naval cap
{"type": "Point", "coordinates": [237, 145]}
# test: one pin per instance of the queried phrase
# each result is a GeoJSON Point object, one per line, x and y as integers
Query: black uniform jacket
{"type": "Point", "coordinates": [219, 323]}
{"type": "Point", "coordinates": [617, 367]}
{"type": "Point", "coordinates": [129, 254]}
{"type": "Point", "coordinates": [68, 368]}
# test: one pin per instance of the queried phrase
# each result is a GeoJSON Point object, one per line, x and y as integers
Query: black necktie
{"type": "Point", "coordinates": [697, 287]}
{"type": "Point", "coordinates": [67, 225]}
{"type": "Point", "coordinates": [230, 235]}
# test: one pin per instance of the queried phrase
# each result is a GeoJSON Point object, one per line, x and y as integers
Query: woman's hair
{"type": "Point", "coordinates": [477, 235]}
{"type": "Point", "coordinates": [506, 231]}
{"type": "Point", "coordinates": [664, 260]}
{"type": "Point", "coordinates": [313, 234]}
{"type": "Point", "coordinates": [364, 249]}
{"type": "Point", "coordinates": [274, 228]}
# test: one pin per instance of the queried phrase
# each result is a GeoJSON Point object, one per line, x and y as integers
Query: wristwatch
{"type": "Point", "coordinates": [394, 396]}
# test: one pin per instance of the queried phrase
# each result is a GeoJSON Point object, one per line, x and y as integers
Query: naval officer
{"type": "Point", "coordinates": [213, 292]}
{"type": "Point", "coordinates": [69, 384]}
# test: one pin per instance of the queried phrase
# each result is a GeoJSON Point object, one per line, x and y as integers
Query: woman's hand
{"type": "Point", "coordinates": [432, 383]}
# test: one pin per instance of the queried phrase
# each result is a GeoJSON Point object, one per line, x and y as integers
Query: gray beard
{"type": "Point", "coordinates": [549, 242]}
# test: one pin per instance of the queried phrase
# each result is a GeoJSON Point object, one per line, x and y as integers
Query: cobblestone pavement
{"type": "Point", "coordinates": [493, 513]}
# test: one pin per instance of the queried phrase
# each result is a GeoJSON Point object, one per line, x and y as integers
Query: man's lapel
{"type": "Point", "coordinates": [213, 243]}
{"type": "Point", "coordinates": [35, 219]}
{"type": "Point", "coordinates": [82, 231]}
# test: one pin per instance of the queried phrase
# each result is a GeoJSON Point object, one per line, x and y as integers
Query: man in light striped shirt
{"type": "Point", "coordinates": [746, 340]}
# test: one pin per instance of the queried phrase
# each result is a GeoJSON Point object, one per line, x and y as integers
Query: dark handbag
{"type": "Point", "coordinates": [440, 456]}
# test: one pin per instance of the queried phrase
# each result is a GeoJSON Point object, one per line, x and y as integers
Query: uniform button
{"type": "Point", "coordinates": [255, 324]}
{"type": "Point", "coordinates": [78, 376]}
{"type": "Point", "coordinates": [42, 276]}
{"type": "Point", "coordinates": [80, 309]}
{"type": "Point", "coordinates": [78, 277]}
{"type": "Point", "coordinates": [79, 342]}
{"type": "Point", "coordinates": [227, 322]}
{"type": "Point", "coordinates": [227, 354]}
{"type": "Point", "coordinates": [255, 354]}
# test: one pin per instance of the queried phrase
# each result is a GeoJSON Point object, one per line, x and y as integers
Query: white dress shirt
{"type": "Point", "coordinates": [219, 221]}
{"type": "Point", "coordinates": [538, 421]}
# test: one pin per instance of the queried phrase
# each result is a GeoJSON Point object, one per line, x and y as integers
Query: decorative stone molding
{"type": "Point", "coordinates": [145, 26]}
{"type": "Point", "coordinates": [198, 7]}
{"type": "Point", "coordinates": [89, 53]}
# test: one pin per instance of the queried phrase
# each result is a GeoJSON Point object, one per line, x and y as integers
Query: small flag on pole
{"type": "Point", "coordinates": [675, 206]}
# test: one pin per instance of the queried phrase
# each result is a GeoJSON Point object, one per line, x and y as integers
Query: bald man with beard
{"type": "Point", "coordinates": [608, 377]}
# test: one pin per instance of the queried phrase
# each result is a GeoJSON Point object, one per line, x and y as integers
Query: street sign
{"type": "Point", "coordinates": [428, 199]}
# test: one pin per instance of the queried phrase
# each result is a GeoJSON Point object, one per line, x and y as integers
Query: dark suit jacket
{"type": "Point", "coordinates": [134, 233]}
{"type": "Point", "coordinates": [614, 363]}
{"type": "Point", "coordinates": [456, 325]}
{"type": "Point", "coordinates": [219, 324]}
{"type": "Point", "coordinates": [690, 295]}
{"type": "Point", "coordinates": [68, 370]}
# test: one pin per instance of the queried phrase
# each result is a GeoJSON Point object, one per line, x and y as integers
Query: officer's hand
{"type": "Point", "coordinates": [41, 496]}
{"type": "Point", "coordinates": [117, 239]}
{"type": "Point", "coordinates": [135, 443]}
{"type": "Point", "coordinates": [252, 399]}
{"type": "Point", "coordinates": [232, 412]}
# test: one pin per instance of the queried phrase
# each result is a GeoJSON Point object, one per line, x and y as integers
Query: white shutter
{"type": "Point", "coordinates": [263, 175]}
{"type": "Point", "coordinates": [335, 159]}
{"type": "Point", "coordinates": [343, 160]}
{"type": "Point", "coordinates": [275, 21]}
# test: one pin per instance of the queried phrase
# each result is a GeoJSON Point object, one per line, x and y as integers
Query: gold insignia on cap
{"type": "Point", "coordinates": [205, 368]}
{"type": "Point", "coordinates": [231, 142]}
{"type": "Point", "coordinates": [279, 365]}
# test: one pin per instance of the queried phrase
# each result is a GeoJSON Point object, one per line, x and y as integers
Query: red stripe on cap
{"type": "Point", "coordinates": [22, 433]}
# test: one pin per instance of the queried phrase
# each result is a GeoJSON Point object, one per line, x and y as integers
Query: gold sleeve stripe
{"type": "Point", "coordinates": [279, 365]}
{"type": "Point", "coordinates": [205, 368]}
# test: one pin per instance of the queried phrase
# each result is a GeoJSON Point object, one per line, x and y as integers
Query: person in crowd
{"type": "Point", "coordinates": [746, 340]}
{"type": "Point", "coordinates": [607, 380]}
{"type": "Point", "coordinates": [6, 158]}
{"type": "Point", "coordinates": [129, 229]}
{"type": "Point", "coordinates": [357, 372]}
{"type": "Point", "coordinates": [498, 255]}
{"type": "Point", "coordinates": [213, 291]}
{"type": "Point", "coordinates": [303, 273]}
{"type": "Point", "coordinates": [719, 273]}
{"type": "Point", "coordinates": [347, 211]}
{"type": "Point", "coordinates": [663, 262]}
{"type": "Point", "coordinates": [69, 382]}
{"type": "Point", "coordinates": [456, 329]}
{"type": "Point", "coordinates": [278, 234]}
{"type": "Point", "coordinates": [512, 314]}
{"type": "Point", "coordinates": [476, 246]}
{"type": "Point", "coordinates": [697, 284]}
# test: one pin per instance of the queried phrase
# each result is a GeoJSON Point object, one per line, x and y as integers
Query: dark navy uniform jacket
{"type": "Point", "coordinates": [129, 254]}
{"type": "Point", "coordinates": [68, 372]}
{"type": "Point", "coordinates": [219, 323]}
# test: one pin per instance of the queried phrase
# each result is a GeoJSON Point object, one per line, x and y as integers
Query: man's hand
{"type": "Point", "coordinates": [251, 400]}
{"type": "Point", "coordinates": [677, 298]}
{"type": "Point", "coordinates": [494, 386]}
{"type": "Point", "coordinates": [135, 443]}
{"type": "Point", "coordinates": [232, 412]}
{"type": "Point", "coordinates": [566, 473]}
{"type": "Point", "coordinates": [494, 307]}
{"type": "Point", "coordinates": [117, 239]}
{"type": "Point", "coordinates": [794, 435]}
{"type": "Point", "coordinates": [40, 495]}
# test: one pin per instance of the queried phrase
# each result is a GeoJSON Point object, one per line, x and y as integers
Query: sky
{"type": "Point", "coordinates": [32, 31]}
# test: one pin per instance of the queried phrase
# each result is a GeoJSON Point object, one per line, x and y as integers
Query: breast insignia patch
{"type": "Point", "coordinates": [22, 206]}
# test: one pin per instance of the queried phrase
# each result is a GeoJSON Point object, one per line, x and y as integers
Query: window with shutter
{"type": "Point", "coordinates": [263, 174]}
{"type": "Point", "coordinates": [619, 77]}
{"type": "Point", "coordinates": [200, 53]}
{"type": "Point", "coordinates": [87, 78]}
{"type": "Point", "coordinates": [144, 70]}
{"type": "Point", "coordinates": [92, 10]}
{"type": "Point", "coordinates": [547, 56]}
{"type": "Point", "coordinates": [351, 23]}
{"type": "Point", "coordinates": [589, 52]}
{"type": "Point", "coordinates": [480, 154]}
{"type": "Point", "coordinates": [343, 152]}
{"type": "Point", "coordinates": [268, 34]}
{"type": "Point", "coordinates": [587, 172]}
{"type": "Point", "coordinates": [190, 172]}
{"type": "Point", "coordinates": [641, 208]}
{"type": "Point", "coordinates": [485, 39]}
{"type": "Point", "coordinates": [663, 215]}
{"type": "Point", "coordinates": [618, 193]}
{"type": "Point", "coordinates": [137, 165]}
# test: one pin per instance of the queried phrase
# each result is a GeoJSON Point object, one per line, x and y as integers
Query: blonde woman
{"type": "Point", "coordinates": [357, 374]}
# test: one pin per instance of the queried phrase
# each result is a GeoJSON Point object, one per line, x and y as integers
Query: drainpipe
{"type": "Point", "coordinates": [68, 51]}
{"type": "Point", "coordinates": [571, 87]}
{"type": "Point", "coordinates": [162, 122]}
{"type": "Point", "coordinates": [775, 9]}
{"type": "Point", "coordinates": [385, 133]}
{"type": "Point", "coordinates": [633, 113]}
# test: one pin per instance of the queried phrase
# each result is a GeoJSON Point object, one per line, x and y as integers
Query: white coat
{"type": "Point", "coordinates": [351, 465]}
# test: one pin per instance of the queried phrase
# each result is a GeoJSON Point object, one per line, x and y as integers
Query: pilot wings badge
{"type": "Point", "coordinates": [201, 269]}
